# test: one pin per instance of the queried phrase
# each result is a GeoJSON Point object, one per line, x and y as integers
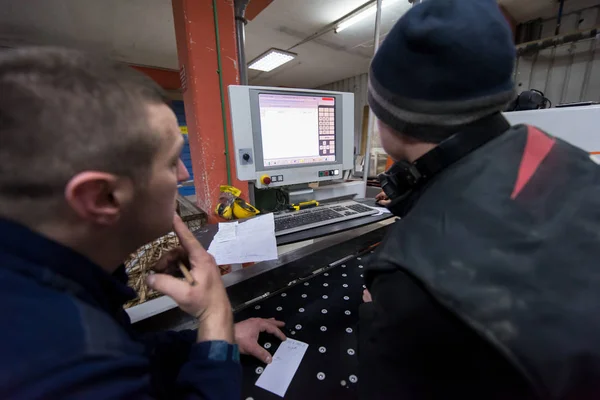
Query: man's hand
{"type": "Point", "coordinates": [367, 298]}
{"type": "Point", "coordinates": [206, 299]}
{"type": "Point", "coordinates": [382, 199]}
{"type": "Point", "coordinates": [246, 336]}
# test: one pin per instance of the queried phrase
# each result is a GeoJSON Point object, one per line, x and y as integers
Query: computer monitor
{"type": "Point", "coordinates": [285, 137]}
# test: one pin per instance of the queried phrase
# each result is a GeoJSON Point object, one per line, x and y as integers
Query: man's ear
{"type": "Point", "coordinates": [99, 197]}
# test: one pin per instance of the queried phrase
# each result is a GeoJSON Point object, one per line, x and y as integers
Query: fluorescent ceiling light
{"type": "Point", "coordinates": [272, 59]}
{"type": "Point", "coordinates": [367, 12]}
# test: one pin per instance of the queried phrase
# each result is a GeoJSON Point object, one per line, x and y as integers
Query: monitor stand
{"type": "Point", "coordinates": [252, 193]}
{"type": "Point", "coordinates": [276, 199]}
{"type": "Point", "coordinates": [332, 190]}
{"type": "Point", "coordinates": [299, 193]}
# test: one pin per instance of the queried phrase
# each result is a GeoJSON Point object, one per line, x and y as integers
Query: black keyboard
{"type": "Point", "coordinates": [305, 219]}
{"type": "Point", "coordinates": [323, 215]}
{"type": "Point", "coordinates": [359, 208]}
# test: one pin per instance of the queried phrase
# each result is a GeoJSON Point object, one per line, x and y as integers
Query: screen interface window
{"type": "Point", "coordinates": [297, 130]}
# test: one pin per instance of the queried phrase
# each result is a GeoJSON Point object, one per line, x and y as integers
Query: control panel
{"type": "Point", "coordinates": [329, 172]}
{"type": "Point", "coordinates": [287, 137]}
{"type": "Point", "coordinates": [267, 180]}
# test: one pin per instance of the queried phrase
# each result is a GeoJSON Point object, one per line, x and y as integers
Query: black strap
{"type": "Point", "coordinates": [460, 145]}
{"type": "Point", "coordinates": [402, 181]}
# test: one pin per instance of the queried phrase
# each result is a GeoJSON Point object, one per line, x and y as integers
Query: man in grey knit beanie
{"type": "Point", "coordinates": [488, 286]}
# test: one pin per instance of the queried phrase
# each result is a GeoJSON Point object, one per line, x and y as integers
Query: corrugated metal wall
{"type": "Point", "coordinates": [186, 157]}
{"type": "Point", "coordinates": [357, 85]}
{"type": "Point", "coordinates": [567, 73]}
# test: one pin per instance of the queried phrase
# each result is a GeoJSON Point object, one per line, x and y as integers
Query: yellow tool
{"type": "Point", "coordinates": [232, 206]}
{"type": "Point", "coordinates": [304, 205]}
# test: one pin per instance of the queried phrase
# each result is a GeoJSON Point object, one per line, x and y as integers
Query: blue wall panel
{"type": "Point", "coordinates": [186, 157]}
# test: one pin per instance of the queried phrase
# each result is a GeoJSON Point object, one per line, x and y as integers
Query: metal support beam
{"type": "Point", "coordinates": [168, 79]}
{"type": "Point", "coordinates": [330, 27]}
{"type": "Point", "coordinates": [559, 18]}
{"type": "Point", "coordinates": [206, 46]}
{"type": "Point", "coordinates": [367, 160]}
{"type": "Point", "coordinates": [255, 7]}
{"type": "Point", "coordinates": [542, 44]}
{"type": "Point", "coordinates": [240, 34]}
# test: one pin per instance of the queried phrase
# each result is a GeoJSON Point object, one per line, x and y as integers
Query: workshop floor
{"type": "Point", "coordinates": [322, 312]}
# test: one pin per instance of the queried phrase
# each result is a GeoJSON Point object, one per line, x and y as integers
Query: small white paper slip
{"type": "Point", "coordinates": [380, 211]}
{"type": "Point", "coordinates": [227, 232]}
{"type": "Point", "coordinates": [278, 375]}
{"type": "Point", "coordinates": [254, 242]}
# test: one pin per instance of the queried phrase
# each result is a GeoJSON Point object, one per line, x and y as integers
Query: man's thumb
{"type": "Point", "coordinates": [260, 353]}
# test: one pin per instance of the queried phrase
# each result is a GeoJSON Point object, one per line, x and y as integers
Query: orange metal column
{"type": "Point", "coordinates": [198, 59]}
{"type": "Point", "coordinates": [255, 7]}
{"type": "Point", "coordinates": [166, 78]}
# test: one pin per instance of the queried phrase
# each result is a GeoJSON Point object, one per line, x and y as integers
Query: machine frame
{"type": "Point", "coordinates": [247, 136]}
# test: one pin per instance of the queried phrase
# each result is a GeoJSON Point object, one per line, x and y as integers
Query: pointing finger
{"type": "Point", "coordinates": [273, 330]}
{"type": "Point", "coordinates": [279, 324]}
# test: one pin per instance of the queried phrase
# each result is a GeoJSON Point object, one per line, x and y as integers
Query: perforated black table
{"type": "Point", "coordinates": [322, 312]}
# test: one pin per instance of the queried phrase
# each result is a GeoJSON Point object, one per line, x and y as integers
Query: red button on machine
{"type": "Point", "coordinates": [266, 180]}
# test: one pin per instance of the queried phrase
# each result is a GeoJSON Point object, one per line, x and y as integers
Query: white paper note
{"type": "Point", "coordinates": [278, 375]}
{"type": "Point", "coordinates": [254, 242]}
{"type": "Point", "coordinates": [380, 211]}
{"type": "Point", "coordinates": [227, 232]}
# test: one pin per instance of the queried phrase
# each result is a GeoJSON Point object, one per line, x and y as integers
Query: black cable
{"type": "Point", "coordinates": [281, 203]}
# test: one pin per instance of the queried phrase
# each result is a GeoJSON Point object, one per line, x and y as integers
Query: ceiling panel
{"type": "Point", "coordinates": [329, 58]}
{"type": "Point", "coordinates": [142, 32]}
{"type": "Point", "coordinates": [135, 31]}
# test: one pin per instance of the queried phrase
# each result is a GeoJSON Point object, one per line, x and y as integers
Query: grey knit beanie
{"type": "Point", "coordinates": [445, 64]}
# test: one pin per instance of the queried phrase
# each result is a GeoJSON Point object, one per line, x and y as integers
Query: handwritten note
{"type": "Point", "coordinates": [278, 375]}
{"type": "Point", "coordinates": [254, 242]}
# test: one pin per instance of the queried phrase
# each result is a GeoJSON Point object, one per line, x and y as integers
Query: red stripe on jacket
{"type": "Point", "coordinates": [537, 148]}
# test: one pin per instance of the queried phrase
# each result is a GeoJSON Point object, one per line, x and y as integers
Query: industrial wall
{"type": "Point", "coordinates": [567, 73]}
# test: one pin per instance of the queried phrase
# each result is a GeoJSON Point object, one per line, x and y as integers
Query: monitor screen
{"type": "Point", "coordinates": [297, 129]}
